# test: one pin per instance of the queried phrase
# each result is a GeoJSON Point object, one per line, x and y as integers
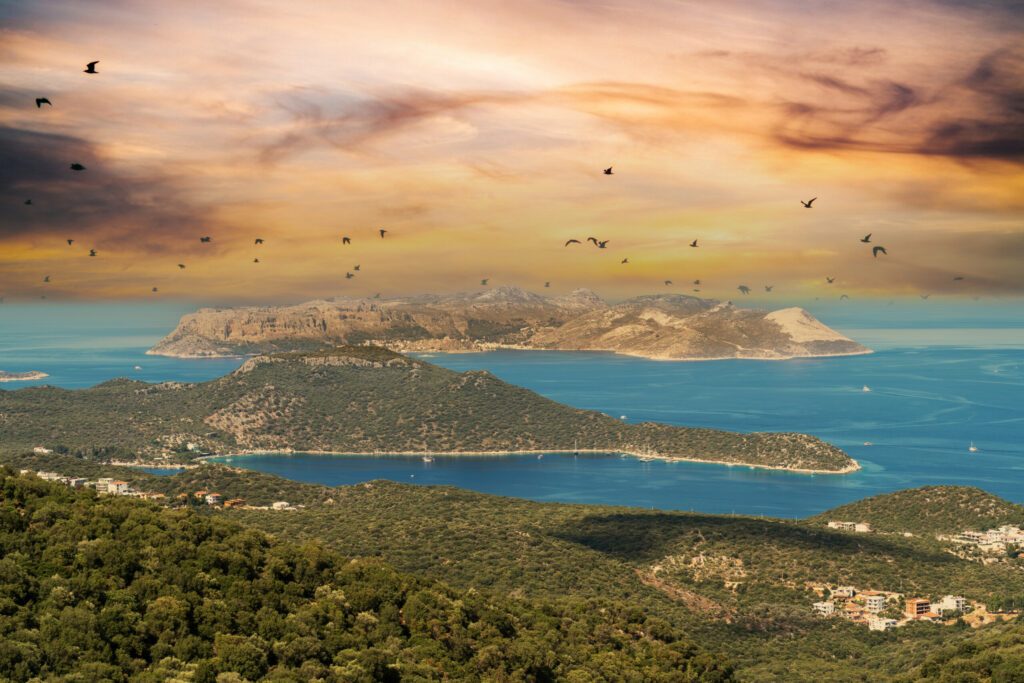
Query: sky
{"type": "Point", "coordinates": [475, 133]}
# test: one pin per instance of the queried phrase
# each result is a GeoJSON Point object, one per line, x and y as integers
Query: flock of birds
{"type": "Point", "coordinates": [347, 240]}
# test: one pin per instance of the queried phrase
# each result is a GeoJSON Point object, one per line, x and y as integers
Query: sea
{"type": "Point", "coordinates": [944, 376]}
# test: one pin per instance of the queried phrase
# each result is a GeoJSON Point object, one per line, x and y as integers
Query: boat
{"type": "Point", "coordinates": [972, 448]}
{"type": "Point", "coordinates": [427, 458]}
{"type": "Point", "coordinates": [622, 417]}
{"type": "Point", "coordinates": [866, 389]}
{"type": "Point", "coordinates": [540, 457]}
{"type": "Point", "coordinates": [868, 443]}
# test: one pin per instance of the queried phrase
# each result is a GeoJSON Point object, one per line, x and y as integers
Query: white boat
{"type": "Point", "coordinates": [540, 457]}
{"type": "Point", "coordinates": [137, 367]}
{"type": "Point", "coordinates": [866, 389]}
{"type": "Point", "coordinates": [868, 443]}
{"type": "Point", "coordinates": [427, 458]}
{"type": "Point", "coordinates": [972, 448]}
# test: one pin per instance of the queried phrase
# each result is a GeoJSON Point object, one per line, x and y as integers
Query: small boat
{"type": "Point", "coordinates": [137, 367]}
{"type": "Point", "coordinates": [622, 417]}
{"type": "Point", "coordinates": [427, 458]}
{"type": "Point", "coordinates": [972, 448]}
{"type": "Point", "coordinates": [868, 443]}
{"type": "Point", "coordinates": [866, 389]}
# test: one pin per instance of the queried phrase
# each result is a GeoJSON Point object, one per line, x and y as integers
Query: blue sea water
{"type": "Point", "coordinates": [939, 381]}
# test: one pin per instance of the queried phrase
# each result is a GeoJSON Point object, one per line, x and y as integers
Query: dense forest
{"type": "Point", "coordinates": [352, 400]}
{"type": "Point", "coordinates": [114, 589]}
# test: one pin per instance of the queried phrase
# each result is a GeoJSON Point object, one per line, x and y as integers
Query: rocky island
{"type": "Point", "coordinates": [21, 376]}
{"type": "Point", "coordinates": [669, 327]}
{"type": "Point", "coordinates": [363, 399]}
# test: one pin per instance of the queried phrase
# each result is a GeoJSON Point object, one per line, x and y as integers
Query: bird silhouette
{"type": "Point", "coordinates": [355, 267]}
{"type": "Point", "coordinates": [90, 68]}
{"type": "Point", "coordinates": [602, 245]}
{"type": "Point", "coordinates": [744, 289]}
{"type": "Point", "coordinates": [204, 239]}
{"type": "Point", "coordinates": [697, 282]}
{"type": "Point", "coordinates": [843, 296]}
{"type": "Point", "coordinates": [46, 278]}
{"type": "Point", "coordinates": [181, 265]}
{"type": "Point", "coordinates": [40, 101]}
{"type": "Point", "coordinates": [547, 284]}
{"type": "Point", "coordinates": [155, 289]}
{"type": "Point", "coordinates": [866, 238]}
{"type": "Point", "coordinates": [625, 260]}
{"type": "Point", "coordinates": [769, 288]}
{"type": "Point", "coordinates": [958, 277]}
{"type": "Point", "coordinates": [255, 260]}
{"type": "Point", "coordinates": [92, 252]}
{"type": "Point", "coordinates": [592, 239]}
{"type": "Point", "coordinates": [28, 202]}
{"type": "Point", "coordinates": [484, 281]}
{"type": "Point", "coordinates": [608, 171]}
{"type": "Point", "coordinates": [349, 276]}
{"type": "Point", "coordinates": [696, 289]}
{"type": "Point", "coordinates": [808, 203]}
{"type": "Point", "coordinates": [693, 244]}
{"type": "Point", "coordinates": [830, 279]}
{"type": "Point", "coordinates": [875, 251]}
{"type": "Point", "coordinates": [382, 231]}
{"type": "Point", "coordinates": [925, 296]}
{"type": "Point", "coordinates": [77, 167]}
{"type": "Point", "coordinates": [259, 240]}
{"type": "Point", "coordinates": [346, 240]}
{"type": "Point", "coordinates": [568, 242]}
{"type": "Point", "coordinates": [69, 242]}
{"type": "Point", "coordinates": [668, 282]}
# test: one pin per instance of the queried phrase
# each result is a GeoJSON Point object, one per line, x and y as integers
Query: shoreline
{"type": "Point", "coordinates": [669, 359]}
{"type": "Point", "coordinates": [849, 469]}
{"type": "Point", "coordinates": [22, 376]}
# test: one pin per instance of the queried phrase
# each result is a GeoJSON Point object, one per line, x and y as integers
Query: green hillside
{"type": "Point", "coordinates": [930, 510]}
{"type": "Point", "coordinates": [358, 399]}
{"type": "Point", "coordinates": [114, 589]}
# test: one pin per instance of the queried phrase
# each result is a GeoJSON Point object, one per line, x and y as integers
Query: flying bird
{"type": "Point", "coordinates": [484, 281]}
{"type": "Point", "coordinates": [69, 242]}
{"type": "Point", "coordinates": [259, 240]}
{"type": "Point", "coordinates": [92, 252]}
{"type": "Point", "coordinates": [696, 282]}
{"type": "Point", "coordinates": [40, 101]}
{"type": "Point", "coordinates": [90, 68]}
{"type": "Point", "coordinates": [182, 266]}
{"type": "Point", "coordinates": [382, 231]}
{"type": "Point", "coordinates": [568, 242]}
{"type": "Point", "coordinates": [808, 203]}
{"type": "Point", "coordinates": [693, 244]}
{"type": "Point", "coordinates": [830, 279]}
{"type": "Point", "coordinates": [866, 238]}
{"type": "Point", "coordinates": [925, 296]}
{"type": "Point", "coordinates": [46, 279]}
{"type": "Point", "coordinates": [602, 245]}
{"type": "Point", "coordinates": [255, 260]}
{"type": "Point", "coordinates": [204, 239]}
{"type": "Point", "coordinates": [355, 267]}
{"type": "Point", "coordinates": [744, 289]}
{"type": "Point", "coordinates": [547, 284]}
{"type": "Point", "coordinates": [625, 260]}
{"type": "Point", "coordinates": [155, 289]}
{"type": "Point", "coordinates": [608, 171]}
{"type": "Point", "coordinates": [592, 239]}
{"type": "Point", "coordinates": [769, 288]}
{"type": "Point", "coordinates": [346, 240]}
{"type": "Point", "coordinates": [28, 202]}
{"type": "Point", "coordinates": [349, 276]}
{"type": "Point", "coordinates": [876, 250]}
{"type": "Point", "coordinates": [668, 282]}
{"type": "Point", "coordinates": [843, 296]}
{"type": "Point", "coordinates": [958, 277]}
{"type": "Point", "coordinates": [77, 167]}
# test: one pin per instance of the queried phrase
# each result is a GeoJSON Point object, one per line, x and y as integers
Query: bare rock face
{"type": "Point", "coordinates": [657, 326]}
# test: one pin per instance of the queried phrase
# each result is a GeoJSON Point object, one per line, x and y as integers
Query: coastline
{"type": "Point", "coordinates": [849, 469]}
{"type": "Point", "coordinates": [23, 376]}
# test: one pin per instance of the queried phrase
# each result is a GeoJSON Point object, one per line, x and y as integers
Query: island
{"type": "Point", "coordinates": [364, 400]}
{"type": "Point", "coordinates": [21, 376]}
{"type": "Point", "coordinates": [661, 326]}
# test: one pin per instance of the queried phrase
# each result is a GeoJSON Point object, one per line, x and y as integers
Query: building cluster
{"type": "Point", "coordinates": [858, 527]}
{"type": "Point", "coordinates": [874, 608]}
{"type": "Point", "coordinates": [106, 486]}
{"type": "Point", "coordinates": [990, 541]}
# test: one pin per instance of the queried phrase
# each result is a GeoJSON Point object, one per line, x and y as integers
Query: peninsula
{"type": "Point", "coordinates": [21, 376]}
{"type": "Point", "coordinates": [363, 399]}
{"type": "Point", "coordinates": [668, 327]}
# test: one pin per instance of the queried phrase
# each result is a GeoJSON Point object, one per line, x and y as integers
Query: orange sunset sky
{"type": "Point", "coordinates": [476, 134]}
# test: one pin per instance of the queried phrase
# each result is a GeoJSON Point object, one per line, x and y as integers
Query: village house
{"type": "Point", "coordinates": [825, 609]}
{"type": "Point", "coordinates": [234, 502]}
{"type": "Point", "coordinates": [280, 505]}
{"type": "Point", "coordinates": [855, 613]}
{"type": "Point", "coordinates": [39, 450]}
{"type": "Point", "coordinates": [213, 499]}
{"type": "Point", "coordinates": [877, 623]}
{"type": "Point", "coordinates": [844, 592]}
{"type": "Point", "coordinates": [951, 603]}
{"type": "Point", "coordinates": [874, 601]}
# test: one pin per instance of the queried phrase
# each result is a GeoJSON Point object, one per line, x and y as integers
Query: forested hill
{"type": "Point", "coordinates": [114, 589]}
{"type": "Point", "coordinates": [361, 399]}
{"type": "Point", "coordinates": [930, 510]}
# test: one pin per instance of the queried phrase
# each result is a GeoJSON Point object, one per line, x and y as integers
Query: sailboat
{"type": "Point", "coordinates": [866, 389]}
{"type": "Point", "coordinates": [427, 458]}
{"type": "Point", "coordinates": [972, 448]}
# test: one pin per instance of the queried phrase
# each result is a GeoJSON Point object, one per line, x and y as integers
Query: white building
{"type": "Point", "coordinates": [950, 603]}
{"type": "Point", "coordinates": [213, 499]}
{"type": "Point", "coordinates": [844, 592]}
{"type": "Point", "coordinates": [862, 528]}
{"type": "Point", "coordinates": [877, 623]}
{"type": "Point", "coordinates": [39, 450]}
{"type": "Point", "coordinates": [874, 602]}
{"type": "Point", "coordinates": [280, 505]}
{"type": "Point", "coordinates": [842, 526]}
{"type": "Point", "coordinates": [825, 609]}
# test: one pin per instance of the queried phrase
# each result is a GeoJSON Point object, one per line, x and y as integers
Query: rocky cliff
{"type": "Point", "coordinates": [658, 326]}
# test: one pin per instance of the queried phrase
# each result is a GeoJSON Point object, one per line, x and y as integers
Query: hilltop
{"type": "Point", "coordinates": [362, 400]}
{"type": "Point", "coordinates": [663, 326]}
{"type": "Point", "coordinates": [930, 510]}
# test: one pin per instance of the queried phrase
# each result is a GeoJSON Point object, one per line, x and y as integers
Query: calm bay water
{"type": "Point", "coordinates": [938, 382]}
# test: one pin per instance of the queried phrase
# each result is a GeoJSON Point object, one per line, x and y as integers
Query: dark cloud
{"type": "Point", "coordinates": [100, 205]}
